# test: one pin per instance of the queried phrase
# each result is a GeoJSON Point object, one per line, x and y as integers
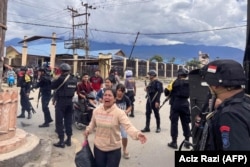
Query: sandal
{"type": "Point", "coordinates": [126, 155]}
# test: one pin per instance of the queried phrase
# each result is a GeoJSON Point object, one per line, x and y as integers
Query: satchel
{"type": "Point", "coordinates": [85, 157]}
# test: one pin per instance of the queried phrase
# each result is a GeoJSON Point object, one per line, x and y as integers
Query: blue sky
{"type": "Point", "coordinates": [160, 22]}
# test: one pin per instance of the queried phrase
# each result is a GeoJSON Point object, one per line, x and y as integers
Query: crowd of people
{"type": "Point", "coordinates": [228, 126]}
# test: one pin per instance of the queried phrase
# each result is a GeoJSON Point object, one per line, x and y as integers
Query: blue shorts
{"type": "Point", "coordinates": [123, 132]}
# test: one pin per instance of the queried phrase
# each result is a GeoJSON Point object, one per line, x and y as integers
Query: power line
{"type": "Point", "coordinates": [170, 33]}
{"type": "Point", "coordinates": [108, 4]}
{"type": "Point", "coordinates": [141, 33]}
{"type": "Point", "coordinates": [36, 24]}
{"type": "Point", "coordinates": [35, 19]}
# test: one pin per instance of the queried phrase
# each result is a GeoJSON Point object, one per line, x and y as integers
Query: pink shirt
{"type": "Point", "coordinates": [107, 124]}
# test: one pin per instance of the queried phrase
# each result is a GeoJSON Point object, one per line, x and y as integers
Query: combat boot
{"type": "Point", "coordinates": [29, 116]}
{"type": "Point", "coordinates": [173, 144]}
{"type": "Point", "coordinates": [132, 113]}
{"type": "Point", "coordinates": [158, 130]}
{"type": "Point", "coordinates": [146, 129]}
{"type": "Point", "coordinates": [187, 144]}
{"type": "Point", "coordinates": [68, 141]}
{"type": "Point", "coordinates": [60, 144]}
{"type": "Point", "coordinates": [22, 115]}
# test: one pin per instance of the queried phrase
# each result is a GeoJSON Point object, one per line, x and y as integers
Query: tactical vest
{"type": "Point", "coordinates": [153, 87]}
{"type": "Point", "coordinates": [69, 88]}
{"type": "Point", "coordinates": [214, 144]}
{"type": "Point", "coordinates": [181, 88]}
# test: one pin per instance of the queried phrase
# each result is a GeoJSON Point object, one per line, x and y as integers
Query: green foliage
{"type": "Point", "coordinates": [194, 62]}
{"type": "Point", "coordinates": [156, 58]}
{"type": "Point", "coordinates": [171, 60]}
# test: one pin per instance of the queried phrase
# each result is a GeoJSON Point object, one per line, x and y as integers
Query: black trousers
{"type": "Point", "coordinates": [184, 113]}
{"type": "Point", "coordinates": [45, 107]}
{"type": "Point", "coordinates": [107, 158]}
{"type": "Point", "coordinates": [149, 107]}
{"type": "Point", "coordinates": [24, 100]}
{"type": "Point", "coordinates": [64, 110]}
{"type": "Point", "coordinates": [131, 96]}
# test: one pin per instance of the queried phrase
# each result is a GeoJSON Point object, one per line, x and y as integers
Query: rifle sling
{"type": "Point", "coordinates": [65, 80]}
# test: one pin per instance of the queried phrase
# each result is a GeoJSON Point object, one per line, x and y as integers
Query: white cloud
{"type": "Point", "coordinates": [132, 16]}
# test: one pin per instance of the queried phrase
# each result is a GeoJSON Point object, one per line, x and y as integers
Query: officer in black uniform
{"type": "Point", "coordinates": [44, 83]}
{"type": "Point", "coordinates": [179, 107]}
{"type": "Point", "coordinates": [229, 126]}
{"type": "Point", "coordinates": [65, 87]}
{"type": "Point", "coordinates": [154, 90]}
{"type": "Point", "coordinates": [24, 81]}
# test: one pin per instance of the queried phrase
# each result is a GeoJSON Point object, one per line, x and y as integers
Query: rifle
{"type": "Point", "coordinates": [145, 82]}
{"type": "Point", "coordinates": [207, 122]}
{"type": "Point", "coordinates": [38, 98]}
{"type": "Point", "coordinates": [167, 98]}
{"type": "Point", "coordinates": [169, 89]}
{"type": "Point", "coordinates": [201, 131]}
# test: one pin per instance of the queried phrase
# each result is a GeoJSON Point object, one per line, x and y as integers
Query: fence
{"type": "Point", "coordinates": [139, 68]}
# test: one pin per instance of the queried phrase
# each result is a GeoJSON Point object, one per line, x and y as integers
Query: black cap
{"type": "Point", "coordinates": [152, 73]}
{"type": "Point", "coordinates": [224, 73]}
{"type": "Point", "coordinates": [182, 71]}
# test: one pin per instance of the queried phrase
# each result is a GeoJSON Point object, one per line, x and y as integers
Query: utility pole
{"type": "Point", "coordinates": [87, 6]}
{"type": "Point", "coordinates": [74, 44]}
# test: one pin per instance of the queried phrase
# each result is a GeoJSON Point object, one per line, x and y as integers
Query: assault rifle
{"type": "Point", "coordinates": [200, 130]}
{"type": "Point", "coordinates": [167, 98]}
{"type": "Point", "coordinates": [38, 98]}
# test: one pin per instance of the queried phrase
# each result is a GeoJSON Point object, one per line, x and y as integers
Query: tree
{"type": "Point", "coordinates": [194, 62]}
{"type": "Point", "coordinates": [171, 60]}
{"type": "Point", "coordinates": [3, 28]}
{"type": "Point", "coordinates": [157, 58]}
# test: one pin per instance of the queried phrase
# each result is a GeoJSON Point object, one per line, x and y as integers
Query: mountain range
{"type": "Point", "coordinates": [181, 52]}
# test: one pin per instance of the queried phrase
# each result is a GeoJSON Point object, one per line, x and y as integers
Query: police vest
{"type": "Point", "coordinates": [181, 88]}
{"type": "Point", "coordinates": [241, 114]}
{"type": "Point", "coordinates": [69, 88]}
{"type": "Point", "coordinates": [154, 87]}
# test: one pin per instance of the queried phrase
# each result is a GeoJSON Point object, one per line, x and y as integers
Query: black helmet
{"type": "Point", "coordinates": [152, 73]}
{"type": "Point", "coordinates": [182, 71]}
{"type": "Point", "coordinates": [42, 69]}
{"type": "Point", "coordinates": [224, 73]}
{"type": "Point", "coordinates": [23, 68]}
{"type": "Point", "coordinates": [65, 67]}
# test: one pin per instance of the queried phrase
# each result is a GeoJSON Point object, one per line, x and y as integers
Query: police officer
{"type": "Point", "coordinates": [64, 88]}
{"type": "Point", "coordinates": [24, 81]}
{"type": "Point", "coordinates": [179, 107]}
{"type": "Point", "coordinates": [154, 90]}
{"type": "Point", "coordinates": [44, 83]}
{"type": "Point", "coordinates": [130, 86]}
{"type": "Point", "coordinates": [229, 126]}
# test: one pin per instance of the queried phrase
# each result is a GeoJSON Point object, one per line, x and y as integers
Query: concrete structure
{"type": "Point", "coordinates": [13, 140]}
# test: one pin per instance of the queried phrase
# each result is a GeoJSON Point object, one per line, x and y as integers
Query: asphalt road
{"type": "Point", "coordinates": [154, 152]}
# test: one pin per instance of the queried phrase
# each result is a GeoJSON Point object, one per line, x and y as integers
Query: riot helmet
{"type": "Point", "coordinates": [224, 72]}
{"type": "Point", "coordinates": [42, 69]}
{"type": "Point", "coordinates": [152, 73]}
{"type": "Point", "coordinates": [23, 68]}
{"type": "Point", "coordinates": [182, 72]}
{"type": "Point", "coordinates": [64, 67]}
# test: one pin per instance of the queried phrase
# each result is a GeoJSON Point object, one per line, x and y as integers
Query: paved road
{"type": "Point", "coordinates": [153, 153]}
